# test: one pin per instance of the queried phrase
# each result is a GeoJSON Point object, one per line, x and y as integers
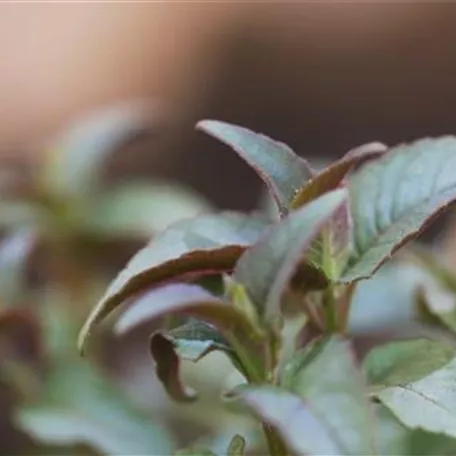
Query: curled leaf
{"type": "Point", "coordinates": [168, 368]}
{"type": "Point", "coordinates": [393, 199]}
{"type": "Point", "coordinates": [268, 266]}
{"type": "Point", "coordinates": [280, 168]}
{"type": "Point", "coordinates": [204, 245]}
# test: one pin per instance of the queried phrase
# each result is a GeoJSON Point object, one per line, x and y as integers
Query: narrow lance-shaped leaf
{"type": "Point", "coordinates": [300, 427]}
{"type": "Point", "coordinates": [201, 246]}
{"type": "Point", "coordinates": [429, 403]}
{"type": "Point", "coordinates": [331, 177]}
{"type": "Point", "coordinates": [267, 267]}
{"type": "Point", "coordinates": [395, 197]}
{"type": "Point", "coordinates": [236, 446]}
{"type": "Point", "coordinates": [326, 376]}
{"type": "Point", "coordinates": [281, 169]}
{"type": "Point", "coordinates": [406, 361]}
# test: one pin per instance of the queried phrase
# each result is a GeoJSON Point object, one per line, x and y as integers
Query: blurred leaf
{"type": "Point", "coordinates": [326, 376]}
{"type": "Point", "coordinates": [330, 177]}
{"type": "Point", "coordinates": [73, 168]}
{"type": "Point", "coordinates": [280, 168]}
{"type": "Point", "coordinates": [195, 339]}
{"type": "Point", "coordinates": [201, 246]}
{"type": "Point", "coordinates": [303, 430]}
{"type": "Point", "coordinates": [142, 209]}
{"type": "Point", "coordinates": [396, 440]}
{"type": "Point", "coordinates": [19, 213]}
{"type": "Point", "coordinates": [406, 361]}
{"type": "Point", "coordinates": [267, 267]}
{"type": "Point", "coordinates": [167, 367]}
{"type": "Point", "coordinates": [15, 251]}
{"type": "Point", "coordinates": [80, 406]}
{"type": "Point", "coordinates": [428, 403]}
{"type": "Point", "coordinates": [237, 446]}
{"type": "Point", "coordinates": [437, 304]}
{"type": "Point", "coordinates": [195, 451]}
{"type": "Point", "coordinates": [395, 197]}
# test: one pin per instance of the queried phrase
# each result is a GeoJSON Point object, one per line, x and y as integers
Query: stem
{"type": "Point", "coordinates": [275, 445]}
{"type": "Point", "coordinates": [329, 310]}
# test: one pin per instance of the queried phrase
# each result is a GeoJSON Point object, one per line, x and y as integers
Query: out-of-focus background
{"type": "Point", "coordinates": [323, 77]}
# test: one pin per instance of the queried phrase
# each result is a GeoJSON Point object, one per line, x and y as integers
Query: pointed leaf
{"type": "Point", "coordinates": [395, 197]}
{"type": "Point", "coordinates": [331, 177]}
{"type": "Point", "coordinates": [326, 376]}
{"type": "Point", "coordinates": [167, 367]}
{"type": "Point", "coordinates": [185, 299]}
{"type": "Point", "coordinates": [406, 361]}
{"type": "Point", "coordinates": [267, 267]}
{"type": "Point", "coordinates": [73, 167]}
{"type": "Point", "coordinates": [302, 429]}
{"type": "Point", "coordinates": [429, 403]}
{"type": "Point", "coordinates": [201, 246]}
{"type": "Point", "coordinates": [280, 168]}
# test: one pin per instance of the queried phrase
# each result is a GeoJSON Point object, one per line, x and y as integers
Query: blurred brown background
{"type": "Point", "coordinates": [323, 77]}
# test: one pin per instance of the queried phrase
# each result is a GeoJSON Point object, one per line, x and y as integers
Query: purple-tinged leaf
{"type": "Point", "coordinates": [302, 430]}
{"type": "Point", "coordinates": [195, 302]}
{"type": "Point", "coordinates": [279, 167]}
{"type": "Point", "coordinates": [167, 367]}
{"type": "Point", "coordinates": [331, 177]}
{"type": "Point", "coordinates": [395, 197]}
{"type": "Point", "coordinates": [192, 248]}
{"type": "Point", "coordinates": [184, 299]}
{"type": "Point", "coordinates": [266, 269]}
{"type": "Point", "coordinates": [326, 377]}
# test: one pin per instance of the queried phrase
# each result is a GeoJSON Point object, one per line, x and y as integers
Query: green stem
{"type": "Point", "coordinates": [275, 444]}
{"type": "Point", "coordinates": [329, 310]}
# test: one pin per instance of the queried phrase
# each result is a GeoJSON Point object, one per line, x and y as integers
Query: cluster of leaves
{"type": "Point", "coordinates": [54, 224]}
{"type": "Point", "coordinates": [332, 229]}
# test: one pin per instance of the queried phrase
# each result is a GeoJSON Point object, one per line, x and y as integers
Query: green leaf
{"type": "Point", "coordinates": [79, 406]}
{"type": "Point", "coordinates": [396, 440]}
{"type": "Point", "coordinates": [280, 168]}
{"type": "Point", "coordinates": [331, 177]}
{"type": "Point", "coordinates": [406, 361]}
{"type": "Point", "coordinates": [428, 403]}
{"type": "Point", "coordinates": [395, 197]}
{"type": "Point", "coordinates": [301, 428]}
{"type": "Point", "coordinates": [327, 378]}
{"type": "Point", "coordinates": [237, 446]}
{"type": "Point", "coordinates": [195, 339]}
{"type": "Point", "coordinates": [167, 367]}
{"type": "Point", "coordinates": [193, 301]}
{"type": "Point", "coordinates": [15, 251]}
{"type": "Point", "coordinates": [201, 246]}
{"type": "Point", "coordinates": [195, 451]}
{"type": "Point", "coordinates": [73, 167]}
{"type": "Point", "coordinates": [267, 267]}
{"type": "Point", "coordinates": [142, 209]}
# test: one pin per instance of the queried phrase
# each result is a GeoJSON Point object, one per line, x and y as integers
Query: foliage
{"type": "Point", "coordinates": [329, 348]}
